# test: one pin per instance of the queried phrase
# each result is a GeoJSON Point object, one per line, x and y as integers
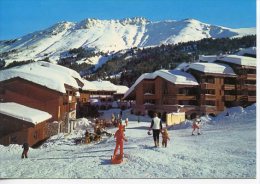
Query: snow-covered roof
{"type": "Point", "coordinates": [250, 50]}
{"type": "Point", "coordinates": [88, 86]}
{"type": "Point", "coordinates": [43, 73]}
{"type": "Point", "coordinates": [215, 68]}
{"type": "Point", "coordinates": [121, 89]}
{"type": "Point", "coordinates": [239, 60]}
{"type": "Point", "coordinates": [104, 85]}
{"type": "Point", "coordinates": [24, 113]}
{"type": "Point", "coordinates": [173, 76]}
{"type": "Point", "coordinates": [235, 59]}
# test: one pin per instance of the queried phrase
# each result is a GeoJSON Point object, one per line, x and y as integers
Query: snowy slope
{"type": "Point", "coordinates": [111, 35]}
{"type": "Point", "coordinates": [226, 149]}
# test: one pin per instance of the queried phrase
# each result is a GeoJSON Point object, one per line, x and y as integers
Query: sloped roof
{"type": "Point", "coordinates": [102, 85]}
{"type": "Point", "coordinates": [212, 68]}
{"type": "Point", "coordinates": [235, 59]}
{"type": "Point", "coordinates": [249, 50]}
{"type": "Point", "coordinates": [239, 60]}
{"type": "Point", "coordinates": [173, 76]}
{"type": "Point", "coordinates": [24, 113]}
{"type": "Point", "coordinates": [45, 74]}
{"type": "Point", "coordinates": [89, 86]}
{"type": "Point", "coordinates": [121, 89]}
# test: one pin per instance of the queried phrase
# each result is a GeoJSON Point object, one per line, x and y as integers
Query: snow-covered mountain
{"type": "Point", "coordinates": [110, 35]}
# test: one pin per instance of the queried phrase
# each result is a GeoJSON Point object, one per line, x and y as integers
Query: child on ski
{"type": "Point", "coordinates": [196, 125]}
{"type": "Point", "coordinates": [165, 137]}
{"type": "Point", "coordinates": [120, 138]}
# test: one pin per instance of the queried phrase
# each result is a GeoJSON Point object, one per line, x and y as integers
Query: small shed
{"type": "Point", "coordinates": [19, 124]}
{"type": "Point", "coordinates": [175, 118]}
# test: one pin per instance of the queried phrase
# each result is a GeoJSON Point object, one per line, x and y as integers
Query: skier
{"type": "Point", "coordinates": [165, 138]}
{"type": "Point", "coordinates": [196, 125]}
{"type": "Point", "coordinates": [120, 138]}
{"type": "Point", "coordinates": [156, 125]}
{"type": "Point", "coordinates": [25, 150]}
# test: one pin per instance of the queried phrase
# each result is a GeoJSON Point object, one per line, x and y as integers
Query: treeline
{"type": "Point", "coordinates": [137, 61]}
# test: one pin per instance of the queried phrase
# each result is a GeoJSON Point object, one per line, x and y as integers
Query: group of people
{"type": "Point", "coordinates": [156, 127]}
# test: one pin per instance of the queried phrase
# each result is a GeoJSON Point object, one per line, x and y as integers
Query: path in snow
{"type": "Point", "coordinates": [226, 149]}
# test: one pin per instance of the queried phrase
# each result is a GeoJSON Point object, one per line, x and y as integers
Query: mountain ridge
{"type": "Point", "coordinates": [110, 36]}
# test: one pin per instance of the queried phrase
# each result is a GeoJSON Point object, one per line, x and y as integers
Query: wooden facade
{"type": "Point", "coordinates": [215, 92]}
{"type": "Point", "coordinates": [242, 90]}
{"type": "Point", "coordinates": [61, 106]}
{"type": "Point", "coordinates": [164, 97]}
{"type": "Point", "coordinates": [16, 131]}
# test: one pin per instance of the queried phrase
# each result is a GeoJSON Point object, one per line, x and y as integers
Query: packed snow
{"type": "Point", "coordinates": [23, 112]}
{"type": "Point", "coordinates": [226, 149]}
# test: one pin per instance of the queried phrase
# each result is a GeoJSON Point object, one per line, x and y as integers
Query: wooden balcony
{"type": "Point", "coordinates": [185, 97]}
{"type": "Point", "coordinates": [250, 87]}
{"type": "Point", "coordinates": [208, 86]}
{"type": "Point", "coordinates": [230, 97]}
{"type": "Point", "coordinates": [208, 97]}
{"type": "Point", "coordinates": [251, 76]}
{"type": "Point", "coordinates": [229, 87]}
{"type": "Point", "coordinates": [252, 98]}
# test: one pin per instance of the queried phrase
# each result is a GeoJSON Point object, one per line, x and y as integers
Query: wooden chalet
{"type": "Point", "coordinates": [207, 88]}
{"type": "Point", "coordinates": [211, 78]}
{"type": "Point", "coordinates": [164, 91]}
{"type": "Point", "coordinates": [20, 124]}
{"type": "Point", "coordinates": [42, 86]}
{"type": "Point", "coordinates": [240, 91]}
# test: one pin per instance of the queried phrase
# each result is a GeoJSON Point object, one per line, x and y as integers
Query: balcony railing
{"type": "Point", "coordinates": [230, 97]}
{"type": "Point", "coordinates": [185, 97]}
{"type": "Point", "coordinates": [208, 96]}
{"type": "Point", "coordinates": [229, 87]}
{"type": "Point", "coordinates": [252, 98]}
{"type": "Point", "coordinates": [250, 87]}
{"type": "Point", "coordinates": [251, 76]}
{"type": "Point", "coordinates": [208, 86]}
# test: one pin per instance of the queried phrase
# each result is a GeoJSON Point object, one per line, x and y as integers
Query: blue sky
{"type": "Point", "coordinates": [20, 17]}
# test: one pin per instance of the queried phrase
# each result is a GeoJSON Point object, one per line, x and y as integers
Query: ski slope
{"type": "Point", "coordinates": [226, 149]}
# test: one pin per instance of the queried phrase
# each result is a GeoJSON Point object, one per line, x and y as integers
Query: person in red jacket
{"type": "Point", "coordinates": [120, 138]}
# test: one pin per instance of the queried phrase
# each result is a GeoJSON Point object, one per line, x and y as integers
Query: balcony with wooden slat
{"type": "Point", "coordinates": [185, 97]}
{"type": "Point", "coordinates": [251, 76]}
{"type": "Point", "coordinates": [229, 87]}
{"type": "Point", "coordinates": [252, 98]}
{"type": "Point", "coordinates": [230, 97]}
{"type": "Point", "coordinates": [208, 97]}
{"type": "Point", "coordinates": [208, 86]}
